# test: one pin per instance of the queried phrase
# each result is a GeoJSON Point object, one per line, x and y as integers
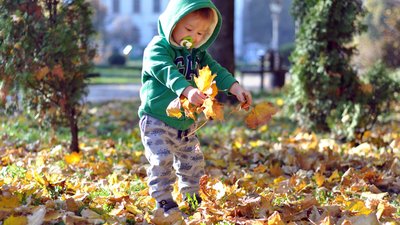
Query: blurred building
{"type": "Point", "coordinates": [134, 22]}
{"type": "Point", "coordinates": [127, 22]}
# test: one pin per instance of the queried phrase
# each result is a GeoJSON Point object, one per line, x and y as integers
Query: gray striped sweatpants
{"type": "Point", "coordinates": [171, 153]}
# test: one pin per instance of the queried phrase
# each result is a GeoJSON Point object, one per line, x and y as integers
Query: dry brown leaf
{"type": "Point", "coordinates": [58, 72]}
{"type": "Point", "coordinates": [260, 115]}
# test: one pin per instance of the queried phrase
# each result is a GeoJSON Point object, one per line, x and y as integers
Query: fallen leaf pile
{"type": "Point", "coordinates": [252, 177]}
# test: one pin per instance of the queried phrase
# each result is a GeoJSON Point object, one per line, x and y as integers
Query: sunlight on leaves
{"type": "Point", "coordinates": [73, 158]}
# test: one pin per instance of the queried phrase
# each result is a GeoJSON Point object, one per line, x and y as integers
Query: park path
{"type": "Point", "coordinates": [109, 92]}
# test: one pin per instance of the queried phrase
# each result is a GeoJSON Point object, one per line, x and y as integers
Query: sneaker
{"type": "Point", "coordinates": [167, 204]}
{"type": "Point", "coordinates": [170, 217]}
{"type": "Point", "coordinates": [167, 212]}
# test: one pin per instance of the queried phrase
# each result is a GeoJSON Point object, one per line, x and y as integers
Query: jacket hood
{"type": "Point", "coordinates": [177, 9]}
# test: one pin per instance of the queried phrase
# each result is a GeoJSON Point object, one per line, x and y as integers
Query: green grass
{"type": "Point", "coordinates": [114, 80]}
{"type": "Point", "coordinates": [110, 120]}
{"type": "Point", "coordinates": [116, 75]}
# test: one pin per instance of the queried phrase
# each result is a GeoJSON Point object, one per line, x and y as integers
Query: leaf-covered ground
{"type": "Point", "coordinates": [276, 174]}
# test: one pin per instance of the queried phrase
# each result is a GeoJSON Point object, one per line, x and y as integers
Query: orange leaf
{"type": "Point", "coordinates": [260, 115]}
{"type": "Point", "coordinates": [213, 110]}
{"type": "Point", "coordinates": [42, 72]}
{"type": "Point", "coordinates": [73, 158]}
{"type": "Point", "coordinates": [58, 72]}
{"type": "Point", "coordinates": [212, 91]}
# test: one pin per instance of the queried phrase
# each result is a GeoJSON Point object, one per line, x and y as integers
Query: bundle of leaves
{"type": "Point", "coordinates": [213, 110]}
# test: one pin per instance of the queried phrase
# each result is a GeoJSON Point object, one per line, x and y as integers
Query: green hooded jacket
{"type": "Point", "coordinates": [169, 68]}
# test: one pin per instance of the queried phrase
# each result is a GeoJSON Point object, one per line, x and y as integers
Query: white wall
{"type": "Point", "coordinates": [146, 20]}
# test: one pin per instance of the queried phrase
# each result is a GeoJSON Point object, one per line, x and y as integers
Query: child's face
{"type": "Point", "coordinates": [192, 25]}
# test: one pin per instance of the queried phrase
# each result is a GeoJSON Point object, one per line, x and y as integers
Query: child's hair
{"type": "Point", "coordinates": [205, 13]}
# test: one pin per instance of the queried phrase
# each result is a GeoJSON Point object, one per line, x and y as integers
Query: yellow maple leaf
{"type": "Point", "coordinates": [319, 179]}
{"type": "Point", "coordinates": [260, 114]}
{"type": "Point", "coordinates": [275, 219]}
{"type": "Point", "coordinates": [16, 220]}
{"type": "Point", "coordinates": [190, 110]}
{"type": "Point", "coordinates": [8, 203]}
{"type": "Point", "coordinates": [358, 207]}
{"type": "Point", "coordinates": [205, 79]}
{"type": "Point", "coordinates": [174, 108]}
{"type": "Point", "coordinates": [73, 158]}
{"type": "Point", "coordinates": [335, 176]}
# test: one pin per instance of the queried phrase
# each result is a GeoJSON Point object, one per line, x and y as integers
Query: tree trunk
{"type": "Point", "coordinates": [223, 48]}
{"type": "Point", "coordinates": [73, 124]}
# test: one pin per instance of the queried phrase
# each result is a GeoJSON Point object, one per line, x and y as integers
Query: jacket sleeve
{"type": "Point", "coordinates": [224, 78]}
{"type": "Point", "coordinates": [158, 62]}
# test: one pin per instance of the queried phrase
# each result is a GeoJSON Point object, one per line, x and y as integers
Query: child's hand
{"type": "Point", "coordinates": [242, 95]}
{"type": "Point", "coordinates": [194, 95]}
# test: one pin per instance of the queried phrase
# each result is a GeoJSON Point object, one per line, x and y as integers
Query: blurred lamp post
{"type": "Point", "coordinates": [275, 7]}
{"type": "Point", "coordinates": [278, 77]}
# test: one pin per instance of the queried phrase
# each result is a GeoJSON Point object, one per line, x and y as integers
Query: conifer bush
{"type": "Point", "coordinates": [45, 53]}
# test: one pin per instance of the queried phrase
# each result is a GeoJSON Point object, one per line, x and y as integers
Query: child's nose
{"type": "Point", "coordinates": [196, 38]}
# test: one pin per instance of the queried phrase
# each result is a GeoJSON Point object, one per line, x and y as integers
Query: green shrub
{"type": "Point", "coordinates": [45, 53]}
{"type": "Point", "coordinates": [327, 92]}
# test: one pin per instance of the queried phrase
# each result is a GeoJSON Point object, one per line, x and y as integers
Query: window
{"type": "Point", "coordinates": [115, 5]}
{"type": "Point", "coordinates": [156, 6]}
{"type": "Point", "coordinates": [136, 6]}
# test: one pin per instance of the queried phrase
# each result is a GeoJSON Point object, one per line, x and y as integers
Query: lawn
{"type": "Point", "coordinates": [116, 75]}
{"type": "Point", "coordinates": [276, 174]}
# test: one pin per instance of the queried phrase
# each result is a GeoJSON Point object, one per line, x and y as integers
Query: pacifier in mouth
{"type": "Point", "coordinates": [187, 42]}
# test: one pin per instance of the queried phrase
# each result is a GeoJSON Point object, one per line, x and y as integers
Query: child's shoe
{"type": "Point", "coordinates": [167, 205]}
{"type": "Point", "coordinates": [167, 213]}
